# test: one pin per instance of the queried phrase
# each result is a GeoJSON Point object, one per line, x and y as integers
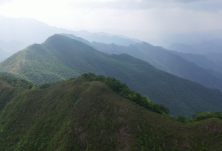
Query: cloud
{"type": "Point", "coordinates": [4, 1]}
{"type": "Point", "coordinates": [186, 1]}
{"type": "Point", "coordinates": [133, 18]}
{"type": "Point", "coordinates": [208, 6]}
{"type": "Point", "coordinates": [196, 5]}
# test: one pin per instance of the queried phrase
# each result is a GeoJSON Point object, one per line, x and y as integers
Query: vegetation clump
{"type": "Point", "coordinates": [124, 91]}
{"type": "Point", "coordinates": [199, 116]}
{"type": "Point", "coordinates": [206, 115]}
{"type": "Point", "coordinates": [17, 82]}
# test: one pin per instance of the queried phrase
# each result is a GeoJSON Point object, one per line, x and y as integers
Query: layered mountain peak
{"type": "Point", "coordinates": [60, 57]}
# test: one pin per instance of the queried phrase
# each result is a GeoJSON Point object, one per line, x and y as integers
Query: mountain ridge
{"type": "Point", "coordinates": [60, 58]}
{"type": "Point", "coordinates": [80, 115]}
{"type": "Point", "coordinates": [165, 60]}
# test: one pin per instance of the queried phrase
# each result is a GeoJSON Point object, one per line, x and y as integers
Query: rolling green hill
{"type": "Point", "coordinates": [79, 114]}
{"type": "Point", "coordinates": [60, 58]}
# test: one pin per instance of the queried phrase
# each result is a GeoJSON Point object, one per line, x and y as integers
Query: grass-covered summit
{"type": "Point", "coordinates": [60, 57]}
{"type": "Point", "coordinates": [89, 113]}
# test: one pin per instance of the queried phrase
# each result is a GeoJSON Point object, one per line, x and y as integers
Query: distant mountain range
{"type": "Point", "coordinates": [165, 60]}
{"type": "Point", "coordinates": [60, 58]}
{"type": "Point", "coordinates": [29, 31]}
{"type": "Point", "coordinates": [9, 48]}
{"type": "Point", "coordinates": [3, 55]}
{"type": "Point", "coordinates": [211, 61]}
{"type": "Point", "coordinates": [206, 54]}
{"type": "Point", "coordinates": [18, 33]}
{"type": "Point", "coordinates": [190, 38]}
{"type": "Point", "coordinates": [203, 48]}
{"type": "Point", "coordinates": [106, 38]}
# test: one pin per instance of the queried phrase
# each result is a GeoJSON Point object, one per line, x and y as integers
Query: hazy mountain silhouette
{"type": "Point", "coordinates": [9, 48]}
{"type": "Point", "coordinates": [204, 48]}
{"type": "Point", "coordinates": [30, 31]}
{"type": "Point", "coordinates": [210, 61]}
{"type": "Point", "coordinates": [162, 59]}
{"type": "Point", "coordinates": [106, 38]}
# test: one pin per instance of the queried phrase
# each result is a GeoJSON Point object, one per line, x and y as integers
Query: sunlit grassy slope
{"type": "Point", "coordinates": [60, 58]}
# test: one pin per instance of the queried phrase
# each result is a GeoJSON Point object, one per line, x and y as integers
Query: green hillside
{"type": "Point", "coordinates": [83, 114]}
{"type": "Point", "coordinates": [12, 75]}
{"type": "Point", "coordinates": [60, 58]}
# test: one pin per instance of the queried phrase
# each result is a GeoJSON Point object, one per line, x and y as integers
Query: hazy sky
{"type": "Point", "coordinates": [134, 18]}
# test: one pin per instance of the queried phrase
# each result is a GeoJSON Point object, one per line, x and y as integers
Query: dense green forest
{"type": "Point", "coordinates": [60, 58]}
{"type": "Point", "coordinates": [91, 113]}
{"type": "Point", "coordinates": [124, 91]}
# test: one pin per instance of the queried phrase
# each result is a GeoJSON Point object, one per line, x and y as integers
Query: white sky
{"type": "Point", "coordinates": [134, 18]}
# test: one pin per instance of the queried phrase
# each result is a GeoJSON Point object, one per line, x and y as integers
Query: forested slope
{"type": "Point", "coordinates": [83, 114]}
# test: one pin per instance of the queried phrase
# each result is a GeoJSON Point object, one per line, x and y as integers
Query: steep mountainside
{"type": "Point", "coordinates": [165, 60]}
{"type": "Point", "coordinates": [81, 115]}
{"type": "Point", "coordinates": [60, 58]}
{"type": "Point", "coordinates": [12, 75]}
